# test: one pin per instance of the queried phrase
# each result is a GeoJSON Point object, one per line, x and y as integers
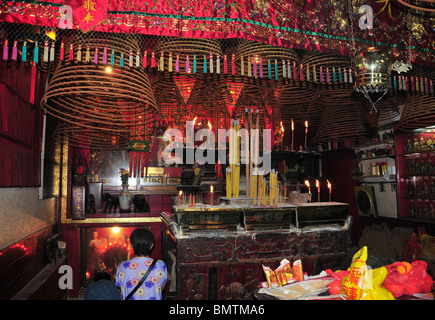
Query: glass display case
{"type": "Point", "coordinates": [416, 175]}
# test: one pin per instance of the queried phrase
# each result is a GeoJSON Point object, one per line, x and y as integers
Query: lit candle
{"type": "Point", "coordinates": [318, 190]}
{"type": "Point", "coordinates": [307, 183]}
{"type": "Point", "coordinates": [306, 133]}
{"type": "Point", "coordinates": [330, 189]}
{"type": "Point", "coordinates": [211, 194]}
{"type": "Point", "coordinates": [179, 197]}
{"type": "Point", "coordinates": [293, 133]}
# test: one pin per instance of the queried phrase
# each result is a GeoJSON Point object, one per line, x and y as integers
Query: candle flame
{"type": "Point", "coordinates": [329, 184]}
{"type": "Point", "coordinates": [194, 120]}
{"type": "Point", "coordinates": [282, 127]}
{"type": "Point", "coordinates": [317, 183]}
{"type": "Point", "coordinates": [306, 124]}
{"type": "Point", "coordinates": [307, 183]}
{"type": "Point", "coordinates": [211, 188]}
{"type": "Point", "coordinates": [180, 193]}
{"type": "Point", "coordinates": [293, 125]}
{"type": "Point", "coordinates": [209, 125]}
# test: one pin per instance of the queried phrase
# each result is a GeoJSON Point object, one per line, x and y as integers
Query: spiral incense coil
{"type": "Point", "coordinates": [314, 59]}
{"type": "Point", "coordinates": [77, 136]}
{"type": "Point", "coordinates": [263, 52]}
{"type": "Point", "coordinates": [337, 125]}
{"type": "Point", "coordinates": [183, 47]}
{"type": "Point", "coordinates": [418, 112]}
{"type": "Point", "coordinates": [168, 96]}
{"type": "Point", "coordinates": [209, 99]}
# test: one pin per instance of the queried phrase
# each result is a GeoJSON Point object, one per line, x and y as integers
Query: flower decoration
{"type": "Point", "coordinates": [125, 174]}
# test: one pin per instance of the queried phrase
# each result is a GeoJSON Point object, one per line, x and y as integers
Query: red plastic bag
{"type": "Point", "coordinates": [413, 249]}
{"type": "Point", "coordinates": [403, 278]}
{"type": "Point", "coordinates": [334, 286]}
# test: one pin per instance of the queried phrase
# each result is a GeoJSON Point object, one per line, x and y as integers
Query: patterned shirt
{"type": "Point", "coordinates": [130, 272]}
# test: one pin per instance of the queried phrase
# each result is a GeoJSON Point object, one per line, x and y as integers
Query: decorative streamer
{"type": "Point", "coordinates": [205, 64]}
{"type": "Point", "coordinates": [334, 75]}
{"type": "Point", "coordinates": [112, 57]}
{"type": "Point", "coordinates": [105, 55]}
{"type": "Point", "coordinates": [249, 68]}
{"type": "Point", "coordinates": [79, 54]}
{"type": "Point", "coordinates": [71, 52]}
{"type": "Point", "coordinates": [130, 59]}
{"type": "Point", "coordinates": [24, 54]}
{"type": "Point", "coordinates": [96, 56]}
{"type": "Point", "coordinates": [218, 64]}
{"type": "Point", "coordinates": [121, 60]}
{"type": "Point", "coordinates": [284, 69]}
{"type": "Point", "coordinates": [153, 60]}
{"type": "Point", "coordinates": [52, 52]}
{"type": "Point", "coordinates": [170, 62]}
{"type": "Point", "coordinates": [261, 68]}
{"type": "Point", "coordinates": [194, 63]}
{"type": "Point", "coordinates": [308, 72]}
{"type": "Point", "coordinates": [314, 74]}
{"type": "Point", "coordinates": [33, 81]}
{"type": "Point", "coordinates": [211, 63]}
{"type": "Point", "coordinates": [88, 54]}
{"type": "Point", "coordinates": [328, 76]}
{"type": "Point", "coordinates": [46, 51]}
{"type": "Point", "coordinates": [15, 51]}
{"type": "Point", "coordinates": [36, 53]}
{"type": "Point", "coordinates": [161, 65]}
{"type": "Point", "coordinates": [187, 64]}
{"type": "Point", "coordinates": [233, 64]}
{"type": "Point", "coordinates": [321, 74]}
{"type": "Point", "coordinates": [225, 64]}
{"type": "Point", "coordinates": [289, 72]}
{"type": "Point", "coordinates": [276, 69]}
{"type": "Point", "coordinates": [301, 73]}
{"type": "Point", "coordinates": [242, 70]}
{"type": "Point", "coordinates": [5, 50]}
{"type": "Point", "coordinates": [294, 71]}
{"type": "Point", "coordinates": [145, 59]}
{"type": "Point", "coordinates": [269, 69]}
{"type": "Point", "coordinates": [177, 63]}
{"type": "Point", "coordinates": [340, 77]}
{"type": "Point", "coordinates": [254, 66]}
{"type": "Point", "coordinates": [137, 58]}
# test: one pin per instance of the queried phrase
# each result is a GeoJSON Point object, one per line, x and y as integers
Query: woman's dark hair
{"type": "Point", "coordinates": [142, 241]}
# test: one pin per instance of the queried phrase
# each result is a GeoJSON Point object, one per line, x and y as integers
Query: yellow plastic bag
{"type": "Point", "coordinates": [363, 283]}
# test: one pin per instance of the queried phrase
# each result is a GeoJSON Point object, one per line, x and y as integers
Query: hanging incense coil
{"type": "Point", "coordinates": [319, 60]}
{"type": "Point", "coordinates": [168, 96]}
{"type": "Point", "coordinates": [343, 119]}
{"type": "Point", "coordinates": [418, 112]}
{"type": "Point", "coordinates": [209, 98]}
{"type": "Point", "coordinates": [297, 101]}
{"type": "Point", "coordinates": [194, 48]}
{"type": "Point", "coordinates": [261, 52]}
{"type": "Point", "coordinates": [90, 97]}
{"type": "Point", "coordinates": [77, 136]}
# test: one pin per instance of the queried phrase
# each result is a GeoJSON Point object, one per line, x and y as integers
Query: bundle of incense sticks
{"type": "Point", "coordinates": [233, 172]}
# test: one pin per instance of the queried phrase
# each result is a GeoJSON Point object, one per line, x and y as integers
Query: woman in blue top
{"type": "Point", "coordinates": [130, 272]}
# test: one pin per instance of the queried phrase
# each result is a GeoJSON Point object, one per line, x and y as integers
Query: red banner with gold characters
{"type": "Point", "coordinates": [87, 14]}
{"type": "Point", "coordinates": [327, 26]}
